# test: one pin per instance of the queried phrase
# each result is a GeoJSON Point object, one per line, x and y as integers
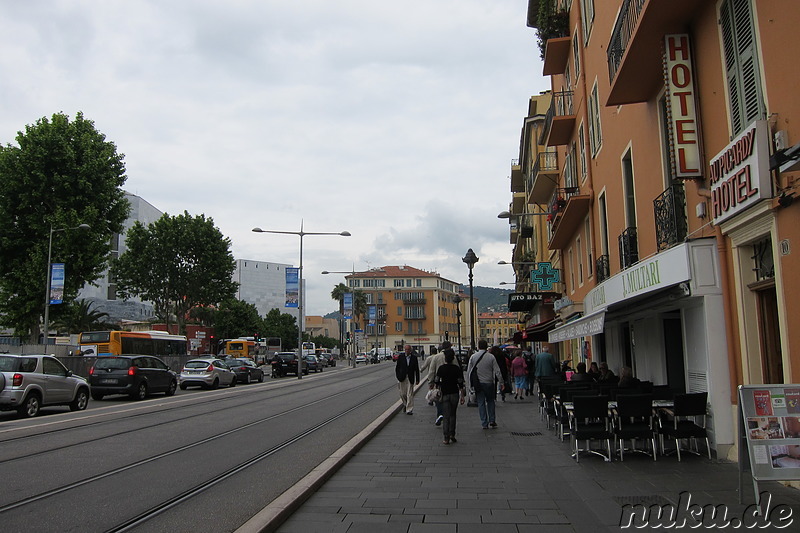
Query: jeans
{"type": "Point", "coordinates": [450, 405]}
{"type": "Point", "coordinates": [485, 396]}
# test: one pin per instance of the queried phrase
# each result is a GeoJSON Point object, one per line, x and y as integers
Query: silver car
{"type": "Point", "coordinates": [30, 382]}
{"type": "Point", "coordinates": [206, 372]}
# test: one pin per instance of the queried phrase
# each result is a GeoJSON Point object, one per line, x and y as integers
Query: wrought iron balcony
{"type": "Point", "coordinates": [602, 268]}
{"type": "Point", "coordinates": [670, 213]}
{"type": "Point", "coordinates": [627, 20]}
{"type": "Point", "coordinates": [628, 248]}
{"type": "Point", "coordinates": [543, 177]}
{"type": "Point", "coordinates": [559, 121]}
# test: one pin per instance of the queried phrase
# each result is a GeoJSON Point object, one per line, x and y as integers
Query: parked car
{"type": "Point", "coordinates": [206, 372]}
{"type": "Point", "coordinates": [30, 382]}
{"type": "Point", "coordinates": [245, 369]}
{"type": "Point", "coordinates": [313, 363]}
{"type": "Point", "coordinates": [134, 375]}
{"type": "Point", "coordinates": [361, 358]}
{"type": "Point", "coordinates": [328, 359]}
{"type": "Point", "coordinates": [286, 363]}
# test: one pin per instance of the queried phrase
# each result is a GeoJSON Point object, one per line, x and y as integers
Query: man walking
{"type": "Point", "coordinates": [487, 371]}
{"type": "Point", "coordinates": [407, 372]}
{"type": "Point", "coordinates": [545, 363]}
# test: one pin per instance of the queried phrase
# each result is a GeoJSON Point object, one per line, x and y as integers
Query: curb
{"type": "Point", "coordinates": [270, 518]}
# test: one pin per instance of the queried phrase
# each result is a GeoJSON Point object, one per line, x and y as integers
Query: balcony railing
{"type": "Point", "coordinates": [546, 164]}
{"type": "Point", "coordinates": [560, 106]}
{"type": "Point", "coordinates": [670, 214]}
{"type": "Point", "coordinates": [626, 24]}
{"type": "Point", "coordinates": [602, 268]}
{"type": "Point", "coordinates": [628, 248]}
{"type": "Point", "coordinates": [558, 202]}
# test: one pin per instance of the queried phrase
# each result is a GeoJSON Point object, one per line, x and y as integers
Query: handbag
{"type": "Point", "coordinates": [434, 395]}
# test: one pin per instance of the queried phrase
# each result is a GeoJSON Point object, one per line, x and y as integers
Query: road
{"type": "Point", "coordinates": [198, 461]}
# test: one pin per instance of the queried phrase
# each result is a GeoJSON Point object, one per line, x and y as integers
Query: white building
{"type": "Point", "coordinates": [263, 284]}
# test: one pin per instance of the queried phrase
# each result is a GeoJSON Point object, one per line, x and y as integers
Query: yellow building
{"type": "Point", "coordinates": [497, 328]}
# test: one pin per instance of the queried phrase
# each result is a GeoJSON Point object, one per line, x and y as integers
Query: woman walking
{"type": "Point", "coordinates": [519, 370]}
{"type": "Point", "coordinates": [450, 379]}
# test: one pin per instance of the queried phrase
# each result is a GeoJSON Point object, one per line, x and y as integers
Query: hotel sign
{"type": "Point", "coordinates": [739, 174]}
{"type": "Point", "coordinates": [680, 85]}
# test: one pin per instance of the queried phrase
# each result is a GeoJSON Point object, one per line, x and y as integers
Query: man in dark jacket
{"type": "Point", "coordinates": [407, 372]}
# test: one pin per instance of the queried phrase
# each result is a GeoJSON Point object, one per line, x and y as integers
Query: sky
{"type": "Point", "coordinates": [395, 121]}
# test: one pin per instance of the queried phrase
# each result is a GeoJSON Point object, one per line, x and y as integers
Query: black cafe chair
{"type": "Point", "coordinates": [565, 395]}
{"type": "Point", "coordinates": [590, 421]}
{"type": "Point", "coordinates": [686, 421]}
{"type": "Point", "coordinates": [634, 421]}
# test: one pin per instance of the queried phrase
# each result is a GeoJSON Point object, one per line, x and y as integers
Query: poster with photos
{"type": "Point", "coordinates": [770, 422]}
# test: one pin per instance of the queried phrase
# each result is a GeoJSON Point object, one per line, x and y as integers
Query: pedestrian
{"type": "Point", "coordinates": [545, 363]}
{"type": "Point", "coordinates": [531, 368]}
{"type": "Point", "coordinates": [450, 380]}
{"type": "Point", "coordinates": [502, 361]}
{"type": "Point", "coordinates": [432, 364]}
{"type": "Point", "coordinates": [519, 372]}
{"type": "Point", "coordinates": [407, 372]}
{"type": "Point", "coordinates": [487, 371]}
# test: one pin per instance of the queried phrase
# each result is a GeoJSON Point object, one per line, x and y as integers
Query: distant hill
{"type": "Point", "coordinates": [490, 300]}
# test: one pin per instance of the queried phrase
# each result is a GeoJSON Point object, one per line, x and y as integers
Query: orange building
{"type": "Point", "coordinates": [672, 211]}
{"type": "Point", "coordinates": [497, 328]}
{"type": "Point", "coordinates": [406, 305]}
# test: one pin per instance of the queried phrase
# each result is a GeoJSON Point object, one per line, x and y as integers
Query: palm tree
{"type": "Point", "coordinates": [79, 316]}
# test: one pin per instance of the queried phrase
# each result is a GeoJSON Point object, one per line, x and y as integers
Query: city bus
{"type": "Point", "coordinates": [241, 348]}
{"type": "Point", "coordinates": [309, 348]}
{"type": "Point", "coordinates": [109, 343]}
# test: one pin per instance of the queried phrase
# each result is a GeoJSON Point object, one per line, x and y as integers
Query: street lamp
{"type": "Point", "coordinates": [300, 323]}
{"type": "Point", "coordinates": [45, 334]}
{"type": "Point", "coordinates": [352, 352]}
{"type": "Point", "coordinates": [470, 259]}
{"type": "Point", "coordinates": [457, 300]}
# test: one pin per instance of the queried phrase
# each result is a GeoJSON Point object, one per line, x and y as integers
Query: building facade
{"type": "Point", "coordinates": [673, 213]}
{"type": "Point", "coordinates": [263, 284]}
{"type": "Point", "coordinates": [406, 305]}
{"type": "Point", "coordinates": [497, 328]}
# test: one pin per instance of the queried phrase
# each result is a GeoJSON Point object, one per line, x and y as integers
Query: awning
{"type": "Point", "coordinates": [538, 332]}
{"type": "Point", "coordinates": [583, 327]}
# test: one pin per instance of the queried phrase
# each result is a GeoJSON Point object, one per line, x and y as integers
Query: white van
{"type": "Point", "coordinates": [381, 353]}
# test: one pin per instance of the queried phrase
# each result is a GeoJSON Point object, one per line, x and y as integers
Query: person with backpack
{"type": "Point", "coordinates": [482, 370]}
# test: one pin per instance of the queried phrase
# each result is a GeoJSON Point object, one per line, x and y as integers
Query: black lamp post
{"type": "Point", "coordinates": [470, 259]}
{"type": "Point", "coordinates": [457, 300]}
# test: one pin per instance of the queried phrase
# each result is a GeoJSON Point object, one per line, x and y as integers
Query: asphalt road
{"type": "Point", "coordinates": [198, 461]}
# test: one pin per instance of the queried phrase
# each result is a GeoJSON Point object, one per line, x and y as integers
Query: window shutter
{"type": "Point", "coordinates": [741, 69]}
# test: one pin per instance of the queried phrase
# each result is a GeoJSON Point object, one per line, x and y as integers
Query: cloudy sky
{"type": "Point", "coordinates": [395, 121]}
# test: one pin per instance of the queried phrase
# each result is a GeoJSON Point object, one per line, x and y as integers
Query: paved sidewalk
{"type": "Point", "coordinates": [516, 478]}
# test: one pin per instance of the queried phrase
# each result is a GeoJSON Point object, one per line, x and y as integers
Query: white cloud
{"type": "Point", "coordinates": [395, 121]}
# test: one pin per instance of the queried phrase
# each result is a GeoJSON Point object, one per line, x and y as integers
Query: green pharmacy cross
{"type": "Point", "coordinates": [545, 275]}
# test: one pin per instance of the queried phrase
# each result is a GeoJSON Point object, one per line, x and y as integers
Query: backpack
{"type": "Point", "coordinates": [473, 375]}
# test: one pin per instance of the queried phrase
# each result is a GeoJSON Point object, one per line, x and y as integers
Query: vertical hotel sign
{"type": "Point", "coordinates": [680, 83]}
{"type": "Point", "coordinates": [739, 174]}
{"type": "Point", "coordinates": [292, 287]}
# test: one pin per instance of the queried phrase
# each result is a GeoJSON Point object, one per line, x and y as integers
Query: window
{"type": "Point", "coordinates": [595, 134]}
{"type": "Point", "coordinates": [628, 189]}
{"type": "Point", "coordinates": [587, 17]}
{"type": "Point", "coordinates": [587, 233]}
{"type": "Point", "coordinates": [741, 64]}
{"type": "Point", "coordinates": [571, 270]}
{"type": "Point", "coordinates": [570, 167]}
{"type": "Point", "coordinates": [580, 261]}
{"type": "Point", "coordinates": [398, 326]}
{"type": "Point", "coordinates": [576, 57]}
{"type": "Point", "coordinates": [582, 154]}
{"type": "Point", "coordinates": [419, 282]}
{"type": "Point", "coordinates": [603, 213]}
{"type": "Point", "coordinates": [398, 283]}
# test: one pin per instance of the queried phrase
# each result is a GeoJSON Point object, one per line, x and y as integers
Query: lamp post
{"type": "Point", "coordinates": [470, 259]}
{"type": "Point", "coordinates": [300, 323]}
{"type": "Point", "coordinates": [457, 300]}
{"type": "Point", "coordinates": [352, 352]}
{"type": "Point", "coordinates": [45, 334]}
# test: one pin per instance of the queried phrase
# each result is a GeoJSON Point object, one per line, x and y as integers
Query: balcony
{"type": "Point", "coordinates": [560, 120]}
{"type": "Point", "coordinates": [556, 55]}
{"type": "Point", "coordinates": [543, 178]}
{"type": "Point", "coordinates": [628, 248]}
{"type": "Point", "coordinates": [602, 268]}
{"type": "Point", "coordinates": [635, 63]}
{"type": "Point", "coordinates": [517, 181]}
{"type": "Point", "coordinates": [670, 214]}
{"type": "Point", "coordinates": [568, 208]}
{"type": "Point", "coordinates": [421, 317]}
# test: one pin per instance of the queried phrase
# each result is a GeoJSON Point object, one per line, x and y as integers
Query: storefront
{"type": "Point", "coordinates": [664, 318]}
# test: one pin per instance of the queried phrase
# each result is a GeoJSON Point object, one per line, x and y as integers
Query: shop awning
{"type": "Point", "coordinates": [585, 326]}
{"type": "Point", "coordinates": [538, 332]}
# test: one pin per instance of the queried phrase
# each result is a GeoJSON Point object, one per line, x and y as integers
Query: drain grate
{"type": "Point", "coordinates": [646, 500]}
{"type": "Point", "coordinates": [531, 434]}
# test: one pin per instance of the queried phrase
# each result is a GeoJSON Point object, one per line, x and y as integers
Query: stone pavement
{"type": "Point", "coordinates": [518, 478]}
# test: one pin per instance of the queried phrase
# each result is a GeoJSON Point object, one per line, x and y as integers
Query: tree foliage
{"type": "Point", "coordinates": [277, 324]}
{"type": "Point", "coordinates": [177, 263]}
{"type": "Point", "coordinates": [61, 174]}
{"type": "Point", "coordinates": [78, 316]}
{"type": "Point", "coordinates": [359, 300]}
{"type": "Point", "coordinates": [235, 319]}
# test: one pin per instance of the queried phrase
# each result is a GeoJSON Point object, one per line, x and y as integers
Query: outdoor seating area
{"type": "Point", "coordinates": [609, 421]}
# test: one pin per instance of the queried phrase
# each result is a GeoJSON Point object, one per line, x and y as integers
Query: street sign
{"type": "Point", "coordinates": [525, 301]}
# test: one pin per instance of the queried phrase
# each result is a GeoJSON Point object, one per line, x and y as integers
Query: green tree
{"type": "Point", "coordinates": [78, 316]}
{"type": "Point", "coordinates": [235, 319]}
{"type": "Point", "coordinates": [177, 263]}
{"type": "Point", "coordinates": [277, 324]}
{"type": "Point", "coordinates": [61, 174]}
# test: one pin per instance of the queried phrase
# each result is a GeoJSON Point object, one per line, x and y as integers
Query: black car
{"type": "Point", "coordinates": [245, 369]}
{"type": "Point", "coordinates": [313, 363]}
{"type": "Point", "coordinates": [286, 363]}
{"type": "Point", "coordinates": [134, 375]}
{"type": "Point", "coordinates": [329, 358]}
